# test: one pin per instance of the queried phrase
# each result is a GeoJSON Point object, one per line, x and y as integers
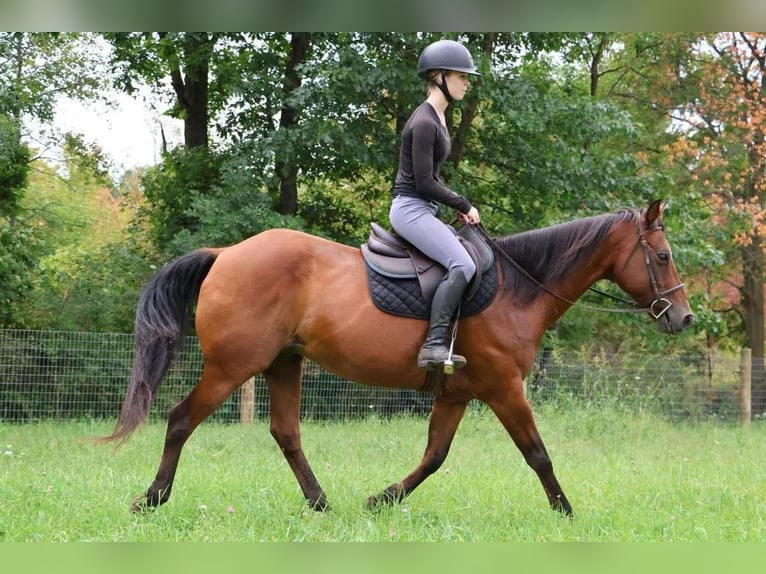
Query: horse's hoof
{"type": "Point", "coordinates": [562, 505]}
{"type": "Point", "coordinates": [145, 502]}
{"type": "Point", "coordinates": [385, 498]}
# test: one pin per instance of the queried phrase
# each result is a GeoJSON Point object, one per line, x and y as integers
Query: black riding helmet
{"type": "Point", "coordinates": [446, 55]}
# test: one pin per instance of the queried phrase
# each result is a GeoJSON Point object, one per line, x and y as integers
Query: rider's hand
{"type": "Point", "coordinates": [471, 217]}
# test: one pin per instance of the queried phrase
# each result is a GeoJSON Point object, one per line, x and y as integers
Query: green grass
{"type": "Point", "coordinates": [629, 478]}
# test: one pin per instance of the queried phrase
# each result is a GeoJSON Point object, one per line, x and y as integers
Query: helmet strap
{"type": "Point", "coordinates": [444, 89]}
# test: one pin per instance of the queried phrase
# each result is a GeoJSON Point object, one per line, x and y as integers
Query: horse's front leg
{"type": "Point", "coordinates": [515, 414]}
{"type": "Point", "coordinates": [444, 421]}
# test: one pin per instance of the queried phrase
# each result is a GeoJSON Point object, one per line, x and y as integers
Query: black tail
{"type": "Point", "coordinates": [162, 317]}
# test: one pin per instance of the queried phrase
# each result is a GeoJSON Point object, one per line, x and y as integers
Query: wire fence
{"type": "Point", "coordinates": [65, 375]}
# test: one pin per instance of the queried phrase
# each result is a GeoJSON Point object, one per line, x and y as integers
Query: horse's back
{"type": "Point", "coordinates": [275, 280]}
{"type": "Point", "coordinates": [278, 253]}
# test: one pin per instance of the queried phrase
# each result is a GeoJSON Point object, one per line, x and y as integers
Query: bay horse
{"type": "Point", "coordinates": [279, 297]}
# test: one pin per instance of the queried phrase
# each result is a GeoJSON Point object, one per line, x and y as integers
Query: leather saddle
{"type": "Point", "coordinates": [392, 256]}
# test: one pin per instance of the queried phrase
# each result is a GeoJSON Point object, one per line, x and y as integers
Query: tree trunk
{"type": "Point", "coordinates": [191, 88]}
{"type": "Point", "coordinates": [196, 119]}
{"type": "Point", "coordinates": [753, 268]}
{"type": "Point", "coordinates": [287, 169]}
{"type": "Point", "coordinates": [596, 56]}
{"type": "Point", "coordinates": [752, 306]}
{"type": "Point", "coordinates": [13, 107]}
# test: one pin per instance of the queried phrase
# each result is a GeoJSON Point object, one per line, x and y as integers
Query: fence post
{"type": "Point", "coordinates": [745, 380]}
{"type": "Point", "coordinates": [247, 402]}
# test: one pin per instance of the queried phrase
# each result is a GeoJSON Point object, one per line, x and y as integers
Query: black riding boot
{"type": "Point", "coordinates": [446, 300]}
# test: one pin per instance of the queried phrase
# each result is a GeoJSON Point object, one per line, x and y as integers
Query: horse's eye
{"type": "Point", "coordinates": [663, 256]}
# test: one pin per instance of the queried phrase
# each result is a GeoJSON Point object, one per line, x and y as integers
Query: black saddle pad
{"type": "Point", "coordinates": [403, 297]}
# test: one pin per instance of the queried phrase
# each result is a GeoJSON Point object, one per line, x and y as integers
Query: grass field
{"type": "Point", "coordinates": [629, 478]}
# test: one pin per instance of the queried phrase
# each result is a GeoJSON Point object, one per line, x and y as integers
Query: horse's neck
{"type": "Point", "coordinates": [566, 291]}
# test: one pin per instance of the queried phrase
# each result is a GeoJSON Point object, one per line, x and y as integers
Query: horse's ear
{"type": "Point", "coordinates": [653, 213]}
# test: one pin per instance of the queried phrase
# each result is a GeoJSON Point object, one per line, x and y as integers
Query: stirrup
{"type": "Point", "coordinates": [441, 360]}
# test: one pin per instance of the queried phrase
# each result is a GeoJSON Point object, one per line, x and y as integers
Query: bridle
{"type": "Point", "coordinates": [656, 309]}
{"type": "Point", "coordinates": [660, 300]}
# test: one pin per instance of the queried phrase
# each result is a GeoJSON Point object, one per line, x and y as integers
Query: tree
{"type": "Point", "coordinates": [87, 268]}
{"type": "Point", "coordinates": [35, 70]}
{"type": "Point", "coordinates": [38, 68]}
{"type": "Point", "coordinates": [199, 69]}
{"type": "Point", "coordinates": [558, 149]}
{"type": "Point", "coordinates": [547, 149]}
{"type": "Point", "coordinates": [14, 165]}
{"type": "Point", "coordinates": [287, 171]}
{"type": "Point", "coordinates": [311, 124]}
{"type": "Point", "coordinates": [235, 81]}
{"type": "Point", "coordinates": [702, 96]}
{"type": "Point", "coordinates": [722, 145]}
{"type": "Point", "coordinates": [184, 59]}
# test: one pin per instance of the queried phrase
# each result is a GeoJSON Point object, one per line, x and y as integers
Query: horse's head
{"type": "Point", "coordinates": [646, 271]}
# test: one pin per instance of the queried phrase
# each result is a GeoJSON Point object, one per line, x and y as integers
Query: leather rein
{"type": "Point", "coordinates": [656, 309]}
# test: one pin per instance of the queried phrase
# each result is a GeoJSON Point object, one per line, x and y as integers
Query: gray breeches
{"type": "Point", "coordinates": [415, 220]}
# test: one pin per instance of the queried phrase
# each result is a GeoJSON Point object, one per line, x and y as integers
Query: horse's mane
{"type": "Point", "coordinates": [549, 253]}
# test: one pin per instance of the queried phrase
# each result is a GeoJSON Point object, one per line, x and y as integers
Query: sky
{"type": "Point", "coordinates": [128, 132]}
{"type": "Point", "coordinates": [127, 129]}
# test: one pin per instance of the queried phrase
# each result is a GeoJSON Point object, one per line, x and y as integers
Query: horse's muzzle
{"type": "Point", "coordinates": [671, 323]}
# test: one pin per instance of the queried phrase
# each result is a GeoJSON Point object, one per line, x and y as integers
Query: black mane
{"type": "Point", "coordinates": [549, 253]}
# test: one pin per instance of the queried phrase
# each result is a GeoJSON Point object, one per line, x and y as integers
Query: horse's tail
{"type": "Point", "coordinates": [162, 317]}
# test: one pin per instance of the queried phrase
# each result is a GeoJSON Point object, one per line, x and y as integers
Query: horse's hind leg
{"type": "Point", "coordinates": [283, 378]}
{"type": "Point", "coordinates": [211, 391]}
{"type": "Point", "coordinates": [515, 414]}
{"type": "Point", "coordinates": [445, 418]}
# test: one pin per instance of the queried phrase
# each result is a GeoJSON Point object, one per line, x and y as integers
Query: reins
{"type": "Point", "coordinates": [658, 307]}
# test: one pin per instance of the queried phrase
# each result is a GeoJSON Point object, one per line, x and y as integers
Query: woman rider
{"type": "Point", "coordinates": [418, 191]}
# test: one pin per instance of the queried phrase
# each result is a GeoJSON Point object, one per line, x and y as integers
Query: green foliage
{"type": "Point", "coordinates": [35, 70]}
{"type": "Point", "coordinates": [18, 242]}
{"type": "Point", "coordinates": [86, 272]}
{"type": "Point", "coordinates": [334, 211]}
{"type": "Point", "coordinates": [168, 187]}
{"type": "Point", "coordinates": [14, 165]}
{"type": "Point", "coordinates": [77, 289]}
{"type": "Point", "coordinates": [234, 208]}
{"type": "Point", "coordinates": [38, 68]}
{"type": "Point", "coordinates": [548, 155]}
{"type": "Point", "coordinates": [565, 125]}
{"type": "Point", "coordinates": [86, 160]}
{"type": "Point", "coordinates": [18, 250]}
